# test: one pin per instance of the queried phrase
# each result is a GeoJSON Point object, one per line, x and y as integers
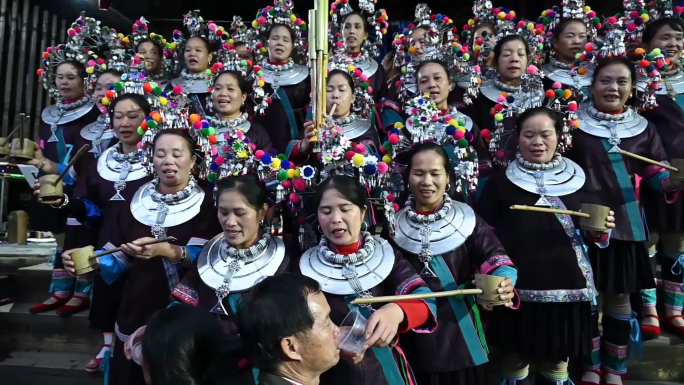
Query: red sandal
{"type": "Point", "coordinates": [43, 307]}
{"type": "Point", "coordinates": [650, 332]}
{"type": "Point", "coordinates": [68, 310]}
{"type": "Point", "coordinates": [677, 330]}
{"type": "Point", "coordinates": [597, 372]}
{"type": "Point", "coordinates": [95, 363]}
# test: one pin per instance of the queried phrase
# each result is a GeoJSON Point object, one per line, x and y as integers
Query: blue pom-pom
{"type": "Point", "coordinates": [214, 167]}
{"type": "Point", "coordinates": [285, 165]}
{"type": "Point", "coordinates": [450, 130]}
{"type": "Point", "coordinates": [308, 171]}
{"type": "Point", "coordinates": [229, 156]}
{"type": "Point", "coordinates": [440, 17]}
{"type": "Point", "coordinates": [370, 169]}
{"type": "Point", "coordinates": [176, 36]}
{"type": "Point", "coordinates": [406, 32]}
{"type": "Point", "coordinates": [266, 159]}
{"type": "Point", "coordinates": [556, 8]}
{"type": "Point", "coordinates": [395, 131]}
{"type": "Point", "coordinates": [650, 68]}
{"type": "Point", "coordinates": [407, 59]}
{"type": "Point", "coordinates": [590, 55]}
{"type": "Point", "coordinates": [510, 99]}
{"type": "Point", "coordinates": [164, 94]}
{"type": "Point", "coordinates": [205, 124]}
{"type": "Point", "coordinates": [378, 157]}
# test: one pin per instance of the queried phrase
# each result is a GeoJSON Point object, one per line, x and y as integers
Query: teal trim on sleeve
{"type": "Point", "coordinates": [506, 271]}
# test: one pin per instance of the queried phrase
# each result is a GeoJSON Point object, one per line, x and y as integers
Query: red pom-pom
{"type": "Point", "coordinates": [393, 139]}
{"type": "Point", "coordinates": [396, 207]}
{"type": "Point", "coordinates": [299, 184]}
{"type": "Point", "coordinates": [147, 87]}
{"type": "Point", "coordinates": [550, 94]}
{"type": "Point", "coordinates": [390, 198]}
{"type": "Point", "coordinates": [485, 133]}
{"type": "Point", "coordinates": [349, 155]}
{"type": "Point", "coordinates": [212, 139]}
{"type": "Point", "coordinates": [219, 160]}
{"type": "Point", "coordinates": [177, 89]}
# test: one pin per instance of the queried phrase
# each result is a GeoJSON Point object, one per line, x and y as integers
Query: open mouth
{"type": "Point", "coordinates": [537, 152]}
{"type": "Point", "coordinates": [434, 94]}
{"type": "Point", "coordinates": [223, 103]}
{"type": "Point", "coordinates": [232, 233]}
{"type": "Point", "coordinates": [339, 233]}
{"type": "Point", "coordinates": [611, 98]}
{"type": "Point", "coordinates": [279, 50]}
{"type": "Point", "coordinates": [169, 173]}
{"type": "Point", "coordinates": [427, 193]}
{"type": "Point", "coordinates": [671, 52]}
{"type": "Point", "coordinates": [192, 62]}
{"type": "Point", "coordinates": [351, 39]}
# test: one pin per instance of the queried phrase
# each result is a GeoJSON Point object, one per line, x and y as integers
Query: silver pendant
{"type": "Point", "coordinates": [542, 201]}
{"type": "Point", "coordinates": [53, 130]}
{"type": "Point", "coordinates": [118, 186]}
{"type": "Point", "coordinates": [223, 290]}
{"type": "Point", "coordinates": [162, 210]}
{"type": "Point", "coordinates": [97, 149]}
{"type": "Point", "coordinates": [425, 255]}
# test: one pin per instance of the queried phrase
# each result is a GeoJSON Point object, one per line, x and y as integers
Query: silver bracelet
{"type": "Point", "coordinates": [42, 163]}
{"type": "Point", "coordinates": [184, 254]}
{"type": "Point", "coordinates": [65, 202]}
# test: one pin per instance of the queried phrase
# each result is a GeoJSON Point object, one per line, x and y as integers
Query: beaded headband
{"type": "Point", "coordinates": [378, 21]}
{"type": "Point", "coordinates": [282, 12]}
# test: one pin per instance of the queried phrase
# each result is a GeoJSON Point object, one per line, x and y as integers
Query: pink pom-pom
{"type": "Point", "coordinates": [383, 167]}
{"type": "Point", "coordinates": [363, 78]}
{"type": "Point", "coordinates": [357, 73]}
{"type": "Point", "coordinates": [557, 85]}
{"type": "Point", "coordinates": [458, 135]}
{"type": "Point", "coordinates": [261, 20]}
{"type": "Point", "coordinates": [612, 20]}
{"type": "Point", "coordinates": [197, 125]}
{"type": "Point", "coordinates": [253, 146]}
{"type": "Point", "coordinates": [631, 27]}
{"type": "Point", "coordinates": [49, 50]}
{"type": "Point", "coordinates": [287, 184]}
{"type": "Point", "coordinates": [294, 198]}
{"type": "Point", "coordinates": [219, 160]}
{"type": "Point", "coordinates": [476, 69]}
{"type": "Point", "coordinates": [214, 151]}
{"type": "Point", "coordinates": [71, 32]}
{"type": "Point", "coordinates": [299, 184]}
{"type": "Point", "coordinates": [360, 149]}
{"type": "Point", "coordinates": [572, 107]}
{"type": "Point", "coordinates": [434, 118]}
{"type": "Point", "coordinates": [393, 139]}
{"type": "Point", "coordinates": [258, 154]}
{"type": "Point", "coordinates": [177, 89]}
{"type": "Point", "coordinates": [139, 145]}
{"type": "Point", "coordinates": [591, 14]}
{"type": "Point", "coordinates": [509, 17]}
{"type": "Point", "coordinates": [531, 70]}
{"type": "Point", "coordinates": [500, 154]}
{"type": "Point", "coordinates": [212, 27]}
{"type": "Point", "coordinates": [396, 207]}
{"type": "Point", "coordinates": [370, 90]}
{"type": "Point", "coordinates": [92, 63]}
{"type": "Point", "coordinates": [500, 98]}
{"type": "Point", "coordinates": [240, 134]}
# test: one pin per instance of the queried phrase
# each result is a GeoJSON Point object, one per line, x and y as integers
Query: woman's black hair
{"type": "Point", "coordinates": [421, 26]}
{"type": "Point", "coordinates": [206, 42]}
{"type": "Point", "coordinates": [241, 43]}
{"type": "Point", "coordinates": [185, 345]}
{"type": "Point", "coordinates": [140, 100]}
{"type": "Point", "coordinates": [241, 81]}
{"type": "Point", "coordinates": [158, 45]}
{"type": "Point", "coordinates": [80, 68]}
{"type": "Point", "coordinates": [346, 75]}
{"type": "Point", "coordinates": [249, 185]}
{"type": "Point", "coordinates": [366, 23]}
{"type": "Point", "coordinates": [347, 186]}
{"type": "Point", "coordinates": [507, 39]}
{"type": "Point", "coordinates": [433, 61]}
{"type": "Point", "coordinates": [192, 144]}
{"type": "Point", "coordinates": [110, 71]}
{"type": "Point", "coordinates": [652, 28]}
{"type": "Point", "coordinates": [434, 147]}
{"type": "Point", "coordinates": [615, 60]}
{"type": "Point", "coordinates": [532, 112]}
{"type": "Point", "coordinates": [560, 27]}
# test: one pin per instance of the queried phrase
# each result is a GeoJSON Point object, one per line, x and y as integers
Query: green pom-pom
{"type": "Point", "coordinates": [466, 56]}
{"type": "Point", "coordinates": [387, 146]}
{"type": "Point", "coordinates": [282, 156]}
{"type": "Point", "coordinates": [118, 86]}
{"type": "Point", "coordinates": [304, 27]}
{"type": "Point", "coordinates": [260, 73]}
{"type": "Point", "coordinates": [211, 131]}
{"type": "Point", "coordinates": [271, 11]}
{"type": "Point", "coordinates": [559, 93]}
{"type": "Point", "coordinates": [547, 20]}
{"type": "Point", "coordinates": [282, 175]}
{"type": "Point", "coordinates": [243, 62]}
{"type": "Point", "coordinates": [464, 33]}
{"type": "Point", "coordinates": [462, 143]}
{"type": "Point", "coordinates": [461, 123]}
{"type": "Point", "coordinates": [205, 132]}
{"type": "Point", "coordinates": [151, 124]}
{"type": "Point", "coordinates": [365, 86]}
{"type": "Point", "coordinates": [649, 57]}
{"type": "Point", "coordinates": [208, 72]}
{"type": "Point", "coordinates": [211, 178]}
{"type": "Point", "coordinates": [141, 131]}
{"type": "Point", "coordinates": [127, 56]}
{"type": "Point", "coordinates": [105, 29]}
{"type": "Point", "coordinates": [404, 70]}
{"type": "Point", "coordinates": [158, 90]}
{"type": "Point", "coordinates": [596, 21]}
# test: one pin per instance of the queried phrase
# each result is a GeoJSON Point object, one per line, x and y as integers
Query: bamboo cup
{"type": "Point", "coordinates": [489, 284]}
{"type": "Point", "coordinates": [677, 163]}
{"type": "Point", "coordinates": [597, 217]}
{"type": "Point", "coordinates": [22, 148]}
{"type": "Point", "coordinates": [51, 186]}
{"type": "Point", "coordinates": [85, 259]}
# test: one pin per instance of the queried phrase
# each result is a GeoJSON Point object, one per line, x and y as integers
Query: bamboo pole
{"type": "Point", "coordinates": [31, 91]}
{"type": "Point", "coordinates": [116, 250]}
{"type": "Point", "coordinates": [20, 85]}
{"type": "Point", "coordinates": [9, 78]}
{"type": "Point", "coordinates": [552, 211]}
{"type": "Point", "coordinates": [647, 160]}
{"type": "Point", "coordinates": [72, 162]}
{"type": "Point", "coordinates": [3, 22]}
{"type": "Point", "coordinates": [409, 297]}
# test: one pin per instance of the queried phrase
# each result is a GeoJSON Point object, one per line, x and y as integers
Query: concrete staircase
{"type": "Point", "coordinates": [39, 349]}
{"type": "Point", "coordinates": [46, 348]}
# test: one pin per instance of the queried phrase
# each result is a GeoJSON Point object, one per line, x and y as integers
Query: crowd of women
{"type": "Point", "coordinates": [206, 140]}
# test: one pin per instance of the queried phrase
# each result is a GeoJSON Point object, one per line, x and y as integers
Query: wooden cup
{"type": "Point", "coordinates": [82, 262]}
{"type": "Point", "coordinates": [677, 163]}
{"type": "Point", "coordinates": [489, 284]}
{"type": "Point", "coordinates": [22, 148]}
{"type": "Point", "coordinates": [49, 190]}
{"type": "Point", "coordinates": [597, 222]}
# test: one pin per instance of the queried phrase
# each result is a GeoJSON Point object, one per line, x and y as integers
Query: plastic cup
{"type": "Point", "coordinates": [352, 335]}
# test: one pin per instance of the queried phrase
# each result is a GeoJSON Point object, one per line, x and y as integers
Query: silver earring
{"type": "Point", "coordinates": [319, 229]}
{"type": "Point", "coordinates": [448, 186]}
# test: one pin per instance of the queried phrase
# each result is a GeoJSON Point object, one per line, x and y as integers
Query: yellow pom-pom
{"type": "Point", "coordinates": [544, 13]}
{"type": "Point", "coordinates": [351, 68]}
{"type": "Point", "coordinates": [453, 122]}
{"type": "Point", "coordinates": [499, 117]}
{"type": "Point", "coordinates": [587, 9]}
{"type": "Point", "coordinates": [358, 160]}
{"type": "Point", "coordinates": [501, 16]}
{"type": "Point", "coordinates": [471, 22]}
{"type": "Point", "coordinates": [399, 125]}
{"type": "Point", "coordinates": [387, 159]}
{"type": "Point", "coordinates": [243, 154]}
{"type": "Point", "coordinates": [126, 40]}
{"type": "Point", "coordinates": [152, 35]}
{"type": "Point", "coordinates": [221, 28]}
{"type": "Point", "coordinates": [163, 101]}
{"type": "Point", "coordinates": [121, 35]}
{"type": "Point", "coordinates": [462, 129]}
{"type": "Point", "coordinates": [645, 16]}
{"type": "Point", "coordinates": [263, 50]}
{"type": "Point", "coordinates": [530, 26]}
{"type": "Point", "coordinates": [276, 163]}
{"type": "Point", "coordinates": [105, 101]}
{"type": "Point", "coordinates": [163, 41]}
{"type": "Point", "coordinates": [293, 18]}
{"type": "Point", "coordinates": [174, 45]}
{"type": "Point", "coordinates": [90, 70]}
{"type": "Point", "coordinates": [261, 83]}
{"type": "Point", "coordinates": [290, 173]}
{"type": "Point", "coordinates": [255, 24]}
{"type": "Point", "coordinates": [512, 14]}
{"type": "Point", "coordinates": [298, 173]}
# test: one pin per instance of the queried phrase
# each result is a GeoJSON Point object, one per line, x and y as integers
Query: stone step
{"type": "Point", "coordinates": [46, 332]}
{"type": "Point", "coordinates": [40, 368]}
{"type": "Point", "coordinates": [33, 283]}
{"type": "Point", "coordinates": [663, 360]}
{"type": "Point", "coordinates": [14, 257]}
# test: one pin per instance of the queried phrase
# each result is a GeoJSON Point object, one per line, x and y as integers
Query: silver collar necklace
{"type": "Point", "coordinates": [596, 114]}
{"type": "Point", "coordinates": [163, 201]}
{"type": "Point", "coordinates": [350, 261]}
{"type": "Point", "coordinates": [217, 123]}
{"type": "Point", "coordinates": [278, 67]}
{"type": "Point", "coordinates": [235, 260]}
{"type": "Point", "coordinates": [425, 254]}
{"type": "Point", "coordinates": [345, 121]}
{"type": "Point", "coordinates": [561, 65]}
{"type": "Point", "coordinates": [72, 106]}
{"type": "Point", "coordinates": [505, 87]}
{"type": "Point", "coordinates": [538, 166]}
